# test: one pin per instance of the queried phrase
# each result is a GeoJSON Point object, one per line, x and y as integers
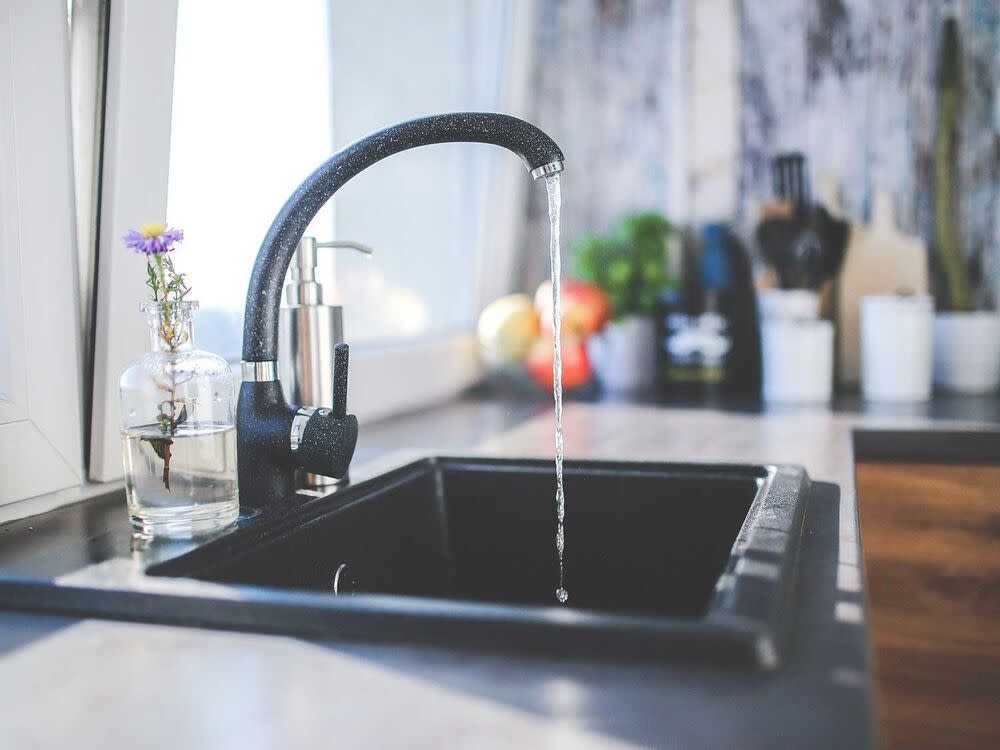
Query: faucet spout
{"type": "Point", "coordinates": [267, 425]}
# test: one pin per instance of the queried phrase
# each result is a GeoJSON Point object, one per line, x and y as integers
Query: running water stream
{"type": "Point", "coordinates": [552, 191]}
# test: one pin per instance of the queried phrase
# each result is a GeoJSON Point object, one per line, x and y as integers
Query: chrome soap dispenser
{"type": "Point", "coordinates": [308, 331]}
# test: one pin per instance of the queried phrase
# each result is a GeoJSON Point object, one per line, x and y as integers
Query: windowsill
{"type": "Point", "coordinates": [452, 425]}
{"type": "Point", "coordinates": [32, 506]}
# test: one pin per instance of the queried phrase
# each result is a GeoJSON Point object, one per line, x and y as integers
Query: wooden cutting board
{"type": "Point", "coordinates": [879, 260]}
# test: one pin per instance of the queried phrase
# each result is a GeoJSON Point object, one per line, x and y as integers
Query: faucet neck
{"type": "Point", "coordinates": [274, 438]}
{"type": "Point", "coordinates": [260, 332]}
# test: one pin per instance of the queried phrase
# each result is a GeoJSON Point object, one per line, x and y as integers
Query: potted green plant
{"type": "Point", "coordinates": [966, 340]}
{"type": "Point", "coordinates": [631, 265]}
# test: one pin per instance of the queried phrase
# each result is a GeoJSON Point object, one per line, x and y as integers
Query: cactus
{"type": "Point", "coordinates": [948, 239]}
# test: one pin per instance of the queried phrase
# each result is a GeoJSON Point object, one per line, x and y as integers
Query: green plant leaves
{"type": "Point", "coordinates": [630, 263]}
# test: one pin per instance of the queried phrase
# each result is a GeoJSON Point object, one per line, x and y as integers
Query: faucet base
{"type": "Point", "coordinates": [270, 448]}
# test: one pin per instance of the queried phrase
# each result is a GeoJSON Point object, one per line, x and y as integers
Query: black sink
{"type": "Point", "coordinates": [696, 562]}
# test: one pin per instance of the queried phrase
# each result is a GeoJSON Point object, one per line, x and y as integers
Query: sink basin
{"type": "Point", "coordinates": [664, 561]}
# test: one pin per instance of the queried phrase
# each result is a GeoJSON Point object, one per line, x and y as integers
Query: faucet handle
{"type": "Point", "coordinates": [341, 353]}
{"type": "Point", "coordinates": [322, 440]}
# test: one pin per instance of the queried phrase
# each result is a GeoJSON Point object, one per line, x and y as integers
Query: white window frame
{"type": "Point", "coordinates": [40, 414]}
{"type": "Point", "coordinates": [137, 113]}
{"type": "Point", "coordinates": [134, 188]}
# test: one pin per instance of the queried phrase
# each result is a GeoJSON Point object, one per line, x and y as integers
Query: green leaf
{"type": "Point", "coordinates": [630, 263]}
{"type": "Point", "coordinates": [619, 272]}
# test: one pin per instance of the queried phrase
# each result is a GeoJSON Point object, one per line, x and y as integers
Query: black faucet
{"type": "Point", "coordinates": [274, 438]}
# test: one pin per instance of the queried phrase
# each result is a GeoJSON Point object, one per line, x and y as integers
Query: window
{"type": "Point", "coordinates": [264, 92]}
{"type": "Point", "coordinates": [217, 110]}
{"type": "Point", "coordinates": [251, 117]}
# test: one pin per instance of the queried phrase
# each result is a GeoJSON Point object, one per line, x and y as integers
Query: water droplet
{"type": "Point", "coordinates": [217, 398]}
{"type": "Point", "coordinates": [562, 595]}
{"type": "Point", "coordinates": [131, 412]}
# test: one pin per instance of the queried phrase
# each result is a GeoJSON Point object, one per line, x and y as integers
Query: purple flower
{"type": "Point", "coordinates": [152, 239]}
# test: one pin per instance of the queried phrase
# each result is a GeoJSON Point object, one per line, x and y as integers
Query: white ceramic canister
{"type": "Point", "coordinates": [788, 304]}
{"type": "Point", "coordinates": [797, 361]}
{"type": "Point", "coordinates": [896, 339]}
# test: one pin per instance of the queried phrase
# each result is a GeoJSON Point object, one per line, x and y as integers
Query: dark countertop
{"type": "Point", "coordinates": [943, 406]}
{"type": "Point", "coordinates": [138, 677]}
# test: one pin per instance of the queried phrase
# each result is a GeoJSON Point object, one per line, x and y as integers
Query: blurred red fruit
{"type": "Point", "coordinates": [576, 368]}
{"type": "Point", "coordinates": [585, 307]}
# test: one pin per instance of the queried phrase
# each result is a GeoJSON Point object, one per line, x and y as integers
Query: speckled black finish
{"type": "Point", "coordinates": [340, 369]}
{"type": "Point", "coordinates": [260, 331]}
{"type": "Point", "coordinates": [264, 421]}
{"type": "Point", "coordinates": [327, 445]}
{"type": "Point", "coordinates": [266, 462]}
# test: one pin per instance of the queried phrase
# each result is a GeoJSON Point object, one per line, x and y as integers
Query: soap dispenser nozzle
{"type": "Point", "coordinates": [303, 289]}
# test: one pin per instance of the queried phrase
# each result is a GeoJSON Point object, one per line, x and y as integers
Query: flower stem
{"type": "Point", "coordinates": [162, 273]}
{"type": "Point", "coordinates": [168, 333]}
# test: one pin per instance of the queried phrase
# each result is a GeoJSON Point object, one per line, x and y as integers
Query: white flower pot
{"type": "Point", "coordinates": [624, 354]}
{"type": "Point", "coordinates": [967, 352]}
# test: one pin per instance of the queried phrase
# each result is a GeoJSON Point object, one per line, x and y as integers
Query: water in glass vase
{"type": "Point", "coordinates": [182, 484]}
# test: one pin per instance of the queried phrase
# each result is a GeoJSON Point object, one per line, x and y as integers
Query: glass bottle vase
{"type": "Point", "coordinates": [178, 431]}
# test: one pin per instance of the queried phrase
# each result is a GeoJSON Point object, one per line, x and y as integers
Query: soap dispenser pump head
{"type": "Point", "coordinates": [303, 289]}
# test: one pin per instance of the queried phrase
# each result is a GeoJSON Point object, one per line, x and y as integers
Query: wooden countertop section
{"type": "Point", "coordinates": [931, 541]}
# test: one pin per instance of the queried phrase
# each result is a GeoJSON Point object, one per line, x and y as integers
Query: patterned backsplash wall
{"type": "Point", "coordinates": [607, 77]}
{"type": "Point", "coordinates": [851, 83]}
